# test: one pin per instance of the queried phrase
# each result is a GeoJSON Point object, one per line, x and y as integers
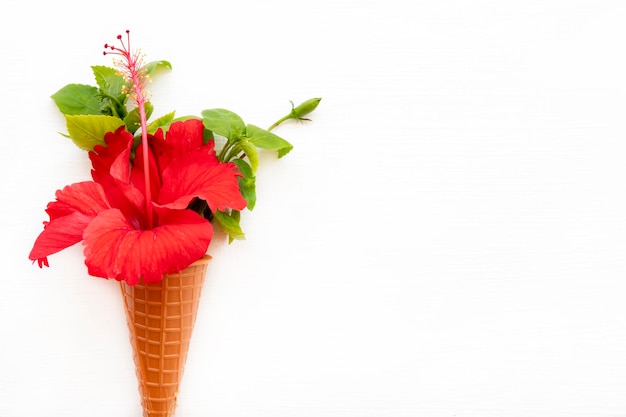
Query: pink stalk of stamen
{"type": "Point", "coordinates": [131, 67]}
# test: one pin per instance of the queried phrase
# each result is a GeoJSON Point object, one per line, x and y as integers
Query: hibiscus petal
{"type": "Point", "coordinates": [115, 249]}
{"type": "Point", "coordinates": [112, 170]}
{"type": "Point", "coordinates": [125, 197]}
{"type": "Point", "coordinates": [186, 137]}
{"type": "Point", "coordinates": [76, 206]}
{"type": "Point", "coordinates": [183, 138]}
{"type": "Point", "coordinates": [114, 158]}
{"type": "Point", "coordinates": [59, 234]}
{"type": "Point", "coordinates": [86, 197]}
{"type": "Point", "coordinates": [185, 179]}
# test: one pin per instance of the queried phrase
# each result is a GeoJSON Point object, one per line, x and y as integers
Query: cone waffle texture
{"type": "Point", "coordinates": [160, 319]}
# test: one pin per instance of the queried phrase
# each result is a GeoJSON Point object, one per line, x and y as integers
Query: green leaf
{"type": "Point", "coordinates": [264, 139]}
{"type": "Point", "coordinates": [162, 122]}
{"type": "Point", "coordinates": [247, 183]}
{"type": "Point", "coordinates": [133, 119]}
{"type": "Point", "coordinates": [88, 131]}
{"type": "Point", "coordinates": [252, 153]}
{"type": "Point", "coordinates": [112, 91]}
{"type": "Point", "coordinates": [74, 99]}
{"type": "Point", "coordinates": [236, 216]}
{"type": "Point", "coordinates": [229, 224]}
{"type": "Point", "coordinates": [224, 122]}
{"type": "Point", "coordinates": [154, 65]}
{"type": "Point", "coordinates": [187, 117]}
{"type": "Point", "coordinates": [207, 136]}
{"type": "Point", "coordinates": [109, 80]}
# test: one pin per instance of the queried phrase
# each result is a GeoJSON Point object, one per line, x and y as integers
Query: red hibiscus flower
{"type": "Point", "coordinates": [135, 232]}
{"type": "Point", "coordinates": [148, 208]}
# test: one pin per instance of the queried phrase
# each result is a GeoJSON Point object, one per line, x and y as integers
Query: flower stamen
{"type": "Point", "coordinates": [132, 69]}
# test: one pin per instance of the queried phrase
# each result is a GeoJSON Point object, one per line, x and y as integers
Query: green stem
{"type": "Point", "coordinates": [232, 154]}
{"type": "Point", "coordinates": [279, 121]}
{"type": "Point", "coordinates": [115, 104]}
{"type": "Point", "coordinates": [225, 149]}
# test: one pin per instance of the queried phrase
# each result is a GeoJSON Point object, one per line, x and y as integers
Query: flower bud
{"type": "Point", "coordinates": [304, 108]}
{"type": "Point", "coordinates": [298, 112]}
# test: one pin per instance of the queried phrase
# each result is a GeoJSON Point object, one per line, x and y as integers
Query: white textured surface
{"type": "Point", "coordinates": [446, 239]}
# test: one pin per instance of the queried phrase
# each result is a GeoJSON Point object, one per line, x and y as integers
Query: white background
{"type": "Point", "coordinates": [447, 237]}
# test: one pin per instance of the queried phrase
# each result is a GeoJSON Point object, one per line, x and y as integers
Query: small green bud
{"type": "Point", "coordinates": [298, 112]}
{"type": "Point", "coordinates": [304, 108]}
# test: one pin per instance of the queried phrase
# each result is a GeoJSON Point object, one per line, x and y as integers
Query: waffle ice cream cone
{"type": "Point", "coordinates": [160, 319]}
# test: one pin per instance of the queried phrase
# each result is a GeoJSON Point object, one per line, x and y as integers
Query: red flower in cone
{"type": "Point", "coordinates": [108, 216]}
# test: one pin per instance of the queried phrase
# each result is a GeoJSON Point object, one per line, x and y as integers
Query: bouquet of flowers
{"type": "Point", "coordinates": [146, 219]}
